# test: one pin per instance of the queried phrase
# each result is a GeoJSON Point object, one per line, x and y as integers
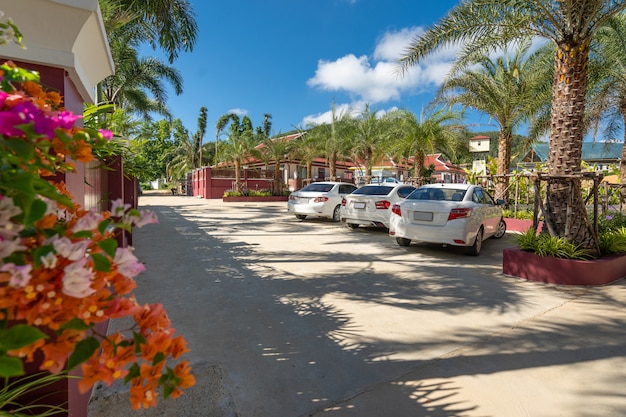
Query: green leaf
{"type": "Point", "coordinates": [83, 234]}
{"type": "Point", "coordinates": [21, 147]}
{"type": "Point", "coordinates": [11, 366]}
{"type": "Point", "coordinates": [109, 246]}
{"type": "Point", "coordinates": [139, 340]}
{"type": "Point", "coordinates": [133, 372]}
{"type": "Point", "coordinates": [83, 351]}
{"type": "Point", "coordinates": [104, 225]}
{"type": "Point", "coordinates": [19, 336]}
{"type": "Point", "coordinates": [158, 358]}
{"type": "Point", "coordinates": [37, 211]}
{"type": "Point", "coordinates": [76, 324]}
{"type": "Point", "coordinates": [101, 262]}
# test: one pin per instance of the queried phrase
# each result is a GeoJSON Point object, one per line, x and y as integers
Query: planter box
{"type": "Point", "coordinates": [520, 225]}
{"type": "Point", "coordinates": [243, 199]}
{"type": "Point", "coordinates": [530, 266]}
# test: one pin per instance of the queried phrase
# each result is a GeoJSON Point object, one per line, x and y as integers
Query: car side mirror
{"type": "Point", "coordinates": [500, 202]}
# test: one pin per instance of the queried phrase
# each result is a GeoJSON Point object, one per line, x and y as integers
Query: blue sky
{"type": "Point", "coordinates": [293, 58]}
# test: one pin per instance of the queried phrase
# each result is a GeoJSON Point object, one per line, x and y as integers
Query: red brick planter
{"type": "Point", "coordinates": [551, 270]}
{"type": "Point", "coordinates": [243, 199]}
{"type": "Point", "coordinates": [520, 225]}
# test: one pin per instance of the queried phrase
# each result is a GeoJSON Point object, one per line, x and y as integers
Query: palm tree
{"type": "Point", "coordinates": [608, 85]}
{"type": "Point", "coordinates": [436, 130]}
{"type": "Point", "coordinates": [274, 150]}
{"type": "Point", "coordinates": [134, 78]}
{"type": "Point", "coordinates": [168, 24]}
{"type": "Point", "coordinates": [240, 143]}
{"type": "Point", "coordinates": [201, 132]}
{"type": "Point", "coordinates": [366, 134]}
{"type": "Point", "coordinates": [306, 150]}
{"type": "Point", "coordinates": [508, 89]}
{"type": "Point", "coordinates": [183, 157]}
{"type": "Point", "coordinates": [331, 139]}
{"type": "Point", "coordinates": [485, 25]}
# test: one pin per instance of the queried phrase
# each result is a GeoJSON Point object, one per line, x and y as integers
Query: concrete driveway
{"type": "Point", "coordinates": [289, 318]}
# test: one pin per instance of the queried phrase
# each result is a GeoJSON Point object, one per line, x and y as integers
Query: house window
{"type": "Point", "coordinates": [321, 173]}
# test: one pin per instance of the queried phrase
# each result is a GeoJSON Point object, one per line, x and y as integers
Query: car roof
{"type": "Point", "coordinates": [330, 182]}
{"type": "Point", "coordinates": [456, 186]}
{"type": "Point", "coordinates": [388, 184]}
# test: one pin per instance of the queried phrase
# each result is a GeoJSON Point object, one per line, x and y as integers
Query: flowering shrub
{"type": "Point", "coordinates": [61, 269]}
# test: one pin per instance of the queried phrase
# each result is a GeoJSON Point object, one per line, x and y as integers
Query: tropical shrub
{"type": "Point", "coordinates": [61, 269]}
{"type": "Point", "coordinates": [611, 239]}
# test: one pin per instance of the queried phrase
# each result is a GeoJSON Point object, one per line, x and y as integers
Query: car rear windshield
{"type": "Point", "coordinates": [323, 188]}
{"type": "Point", "coordinates": [437, 194]}
{"type": "Point", "coordinates": [377, 190]}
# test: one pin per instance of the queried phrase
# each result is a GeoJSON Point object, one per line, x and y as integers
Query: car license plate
{"type": "Point", "coordinates": [423, 216]}
{"type": "Point", "coordinates": [359, 205]}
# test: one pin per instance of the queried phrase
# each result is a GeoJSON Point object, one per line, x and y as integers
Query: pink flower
{"type": "Point", "coordinates": [9, 246]}
{"type": "Point", "coordinates": [64, 247]}
{"type": "Point", "coordinates": [106, 134]}
{"type": "Point", "coordinates": [118, 208]}
{"type": "Point", "coordinates": [89, 221]}
{"type": "Point", "coordinates": [77, 280]}
{"type": "Point", "coordinates": [127, 263]}
{"type": "Point", "coordinates": [49, 260]}
{"type": "Point", "coordinates": [20, 274]}
{"type": "Point", "coordinates": [145, 217]}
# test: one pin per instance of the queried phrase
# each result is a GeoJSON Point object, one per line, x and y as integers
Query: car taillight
{"type": "Point", "coordinates": [320, 199]}
{"type": "Point", "coordinates": [383, 204]}
{"type": "Point", "coordinates": [459, 213]}
{"type": "Point", "coordinates": [395, 209]}
{"type": "Point", "coordinates": [292, 198]}
{"type": "Point", "coordinates": [343, 202]}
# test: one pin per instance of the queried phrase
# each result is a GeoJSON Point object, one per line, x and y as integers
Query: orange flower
{"type": "Point", "coordinates": [178, 347]}
{"type": "Point", "coordinates": [27, 352]}
{"type": "Point", "coordinates": [152, 317]}
{"type": "Point", "coordinates": [183, 371]}
{"type": "Point", "coordinates": [82, 151]}
{"type": "Point", "coordinates": [143, 395]}
{"type": "Point", "coordinates": [155, 343]}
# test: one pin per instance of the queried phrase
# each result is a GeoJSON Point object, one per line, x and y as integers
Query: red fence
{"type": "Point", "coordinates": [212, 183]}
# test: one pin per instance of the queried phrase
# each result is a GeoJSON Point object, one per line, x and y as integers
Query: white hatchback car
{"type": "Point", "coordinates": [450, 214]}
{"type": "Point", "coordinates": [371, 204]}
{"type": "Point", "coordinates": [320, 199]}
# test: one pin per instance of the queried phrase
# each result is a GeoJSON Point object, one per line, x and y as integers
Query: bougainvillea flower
{"type": "Point", "coordinates": [127, 264]}
{"type": "Point", "coordinates": [19, 274]}
{"type": "Point", "coordinates": [77, 279]}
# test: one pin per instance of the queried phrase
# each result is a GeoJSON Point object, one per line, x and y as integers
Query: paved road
{"type": "Point", "coordinates": [289, 318]}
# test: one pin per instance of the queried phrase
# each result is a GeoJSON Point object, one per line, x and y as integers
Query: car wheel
{"type": "Point", "coordinates": [337, 213]}
{"type": "Point", "coordinates": [352, 225]}
{"type": "Point", "coordinates": [300, 216]}
{"type": "Point", "coordinates": [402, 241]}
{"type": "Point", "coordinates": [474, 250]}
{"type": "Point", "coordinates": [501, 230]}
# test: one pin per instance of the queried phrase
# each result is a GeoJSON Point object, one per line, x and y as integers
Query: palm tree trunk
{"type": "Point", "coordinates": [566, 214]}
{"type": "Point", "coordinates": [503, 165]}
{"type": "Point", "coordinates": [622, 165]}
{"type": "Point", "coordinates": [277, 179]}
{"type": "Point", "coordinates": [419, 167]}
{"type": "Point", "coordinates": [332, 164]}
{"type": "Point", "coordinates": [237, 176]}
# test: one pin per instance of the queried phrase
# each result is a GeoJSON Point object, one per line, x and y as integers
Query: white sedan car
{"type": "Point", "coordinates": [371, 204]}
{"type": "Point", "coordinates": [320, 199]}
{"type": "Point", "coordinates": [450, 214]}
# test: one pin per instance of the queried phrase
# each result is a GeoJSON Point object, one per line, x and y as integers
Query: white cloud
{"type": "Point", "coordinates": [377, 79]}
{"type": "Point", "coordinates": [392, 44]}
{"type": "Point", "coordinates": [350, 109]}
{"type": "Point", "coordinates": [238, 111]}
